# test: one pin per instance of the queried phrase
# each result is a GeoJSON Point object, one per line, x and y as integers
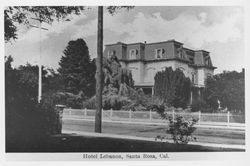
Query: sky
{"type": "Point", "coordinates": [219, 30]}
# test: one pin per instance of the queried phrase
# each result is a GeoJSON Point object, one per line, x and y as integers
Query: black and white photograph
{"type": "Point", "coordinates": [116, 82]}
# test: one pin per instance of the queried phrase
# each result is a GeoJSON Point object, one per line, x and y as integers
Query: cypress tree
{"type": "Point", "coordinates": [173, 87]}
{"type": "Point", "coordinates": [77, 69]}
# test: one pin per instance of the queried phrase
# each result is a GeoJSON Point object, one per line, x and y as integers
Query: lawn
{"type": "Point", "coordinates": [207, 135]}
{"type": "Point", "coordinates": [75, 143]}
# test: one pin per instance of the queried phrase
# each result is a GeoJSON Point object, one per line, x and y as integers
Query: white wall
{"type": "Point", "coordinates": [137, 69]}
{"type": "Point", "coordinates": [153, 67]}
{"type": "Point", "coordinates": [144, 73]}
{"type": "Point", "coordinates": [201, 76]}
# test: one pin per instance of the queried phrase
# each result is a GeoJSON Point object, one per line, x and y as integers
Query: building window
{"type": "Point", "coordinates": [111, 53]}
{"type": "Point", "coordinates": [193, 78]}
{"type": "Point", "coordinates": [180, 53]}
{"type": "Point", "coordinates": [191, 60]}
{"type": "Point", "coordinates": [159, 52]}
{"type": "Point", "coordinates": [133, 53]}
{"type": "Point", "coordinates": [208, 75]}
{"type": "Point", "coordinates": [207, 62]}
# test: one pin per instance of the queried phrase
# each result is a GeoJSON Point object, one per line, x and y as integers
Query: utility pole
{"type": "Point", "coordinates": [99, 74]}
{"type": "Point", "coordinates": [40, 58]}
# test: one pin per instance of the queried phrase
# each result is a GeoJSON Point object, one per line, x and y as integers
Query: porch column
{"type": "Point", "coordinates": [153, 91]}
{"type": "Point", "coordinates": [199, 93]}
{"type": "Point", "coordinates": [191, 97]}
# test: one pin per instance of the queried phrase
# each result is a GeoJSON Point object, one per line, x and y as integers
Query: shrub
{"type": "Point", "coordinates": [68, 99]}
{"type": "Point", "coordinates": [197, 105]}
{"type": "Point", "coordinates": [50, 114]}
{"type": "Point", "coordinates": [201, 105]}
{"type": "Point", "coordinates": [181, 130]}
{"type": "Point", "coordinates": [115, 102]}
{"type": "Point", "coordinates": [90, 103]}
{"type": "Point", "coordinates": [29, 123]}
{"type": "Point", "coordinates": [141, 102]}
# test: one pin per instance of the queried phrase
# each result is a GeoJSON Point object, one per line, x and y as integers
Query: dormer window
{"type": "Point", "coordinates": [208, 75]}
{"type": "Point", "coordinates": [191, 60]}
{"type": "Point", "coordinates": [207, 62]}
{"type": "Point", "coordinates": [133, 53]}
{"type": "Point", "coordinates": [180, 53]}
{"type": "Point", "coordinates": [159, 52]}
{"type": "Point", "coordinates": [193, 78]}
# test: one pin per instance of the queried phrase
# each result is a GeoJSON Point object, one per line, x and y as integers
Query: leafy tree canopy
{"type": "Point", "coordinates": [227, 87]}
{"type": "Point", "coordinates": [23, 81]}
{"type": "Point", "coordinates": [173, 87]}
{"type": "Point", "coordinates": [14, 15]}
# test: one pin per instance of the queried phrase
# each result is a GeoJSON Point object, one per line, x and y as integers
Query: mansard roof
{"type": "Point", "coordinates": [198, 56]}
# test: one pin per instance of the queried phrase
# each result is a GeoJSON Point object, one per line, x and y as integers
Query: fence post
{"type": "Point", "coordinates": [173, 114]}
{"type": "Point", "coordinates": [69, 112]}
{"type": "Point", "coordinates": [85, 113]}
{"type": "Point", "coordinates": [111, 113]}
{"type": "Point", "coordinates": [228, 118]}
{"type": "Point", "coordinates": [130, 115]}
{"type": "Point", "coordinates": [199, 117]}
{"type": "Point", "coordinates": [150, 115]}
{"type": "Point", "coordinates": [102, 114]}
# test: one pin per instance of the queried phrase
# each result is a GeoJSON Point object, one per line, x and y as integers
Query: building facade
{"type": "Point", "coordinates": [146, 59]}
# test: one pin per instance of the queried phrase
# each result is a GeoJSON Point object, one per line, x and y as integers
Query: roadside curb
{"type": "Point", "coordinates": [147, 139]}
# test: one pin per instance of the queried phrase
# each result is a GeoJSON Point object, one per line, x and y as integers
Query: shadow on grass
{"type": "Point", "coordinates": [74, 143]}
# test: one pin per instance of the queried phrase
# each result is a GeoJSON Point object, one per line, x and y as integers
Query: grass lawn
{"type": "Point", "coordinates": [206, 135]}
{"type": "Point", "coordinates": [75, 143]}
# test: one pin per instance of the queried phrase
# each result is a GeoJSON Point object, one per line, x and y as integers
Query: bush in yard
{"type": "Point", "coordinates": [141, 102]}
{"type": "Point", "coordinates": [138, 102]}
{"type": "Point", "coordinates": [27, 122]}
{"type": "Point", "coordinates": [181, 130]}
{"type": "Point", "coordinates": [201, 105]}
{"type": "Point", "coordinates": [114, 102]}
{"type": "Point", "coordinates": [90, 103]}
{"type": "Point", "coordinates": [197, 105]}
{"type": "Point", "coordinates": [69, 99]}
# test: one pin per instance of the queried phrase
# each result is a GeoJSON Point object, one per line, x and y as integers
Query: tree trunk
{"type": "Point", "coordinates": [98, 115]}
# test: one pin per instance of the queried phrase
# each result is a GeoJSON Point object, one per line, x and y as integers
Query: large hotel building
{"type": "Point", "coordinates": [146, 59]}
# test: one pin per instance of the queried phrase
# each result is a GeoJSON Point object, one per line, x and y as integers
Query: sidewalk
{"type": "Point", "coordinates": [91, 134]}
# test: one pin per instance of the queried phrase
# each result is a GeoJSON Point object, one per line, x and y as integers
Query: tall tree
{"type": "Point", "coordinates": [77, 69]}
{"type": "Point", "coordinates": [173, 87]}
{"type": "Point", "coordinates": [228, 88]}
